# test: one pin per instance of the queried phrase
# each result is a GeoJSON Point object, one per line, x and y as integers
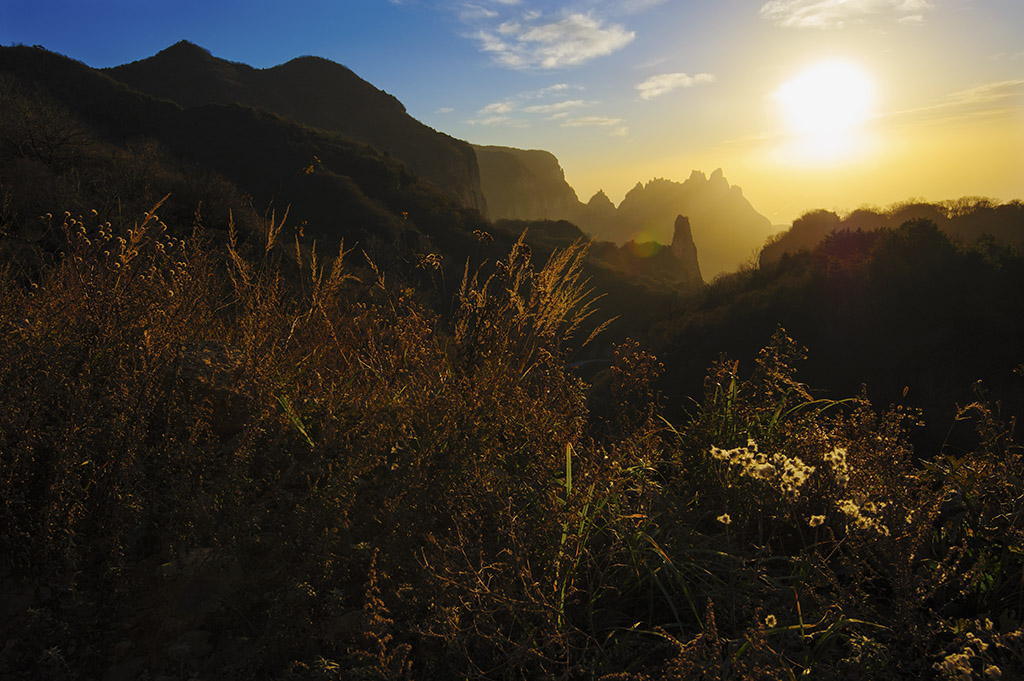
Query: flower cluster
{"type": "Point", "coordinates": [836, 459]}
{"type": "Point", "coordinates": [788, 474]}
{"type": "Point", "coordinates": [864, 516]}
{"type": "Point", "coordinates": [959, 665]}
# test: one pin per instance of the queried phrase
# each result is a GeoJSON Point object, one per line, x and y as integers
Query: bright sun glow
{"type": "Point", "coordinates": [825, 108]}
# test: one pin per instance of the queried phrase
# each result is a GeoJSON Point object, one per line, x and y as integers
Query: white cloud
{"type": "Point", "coordinates": [444, 110]}
{"type": "Point", "coordinates": [655, 86]}
{"type": "Point", "coordinates": [838, 13]}
{"type": "Point", "coordinates": [569, 41]}
{"type": "Point", "coordinates": [555, 107]}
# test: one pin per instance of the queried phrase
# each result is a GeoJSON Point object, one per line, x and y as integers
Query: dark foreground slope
{"type": "Point", "coordinates": [212, 468]}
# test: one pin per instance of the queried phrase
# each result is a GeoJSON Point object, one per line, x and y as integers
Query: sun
{"type": "Point", "coordinates": [824, 108]}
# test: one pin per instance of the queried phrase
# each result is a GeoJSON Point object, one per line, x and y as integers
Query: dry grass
{"type": "Point", "coordinates": [260, 464]}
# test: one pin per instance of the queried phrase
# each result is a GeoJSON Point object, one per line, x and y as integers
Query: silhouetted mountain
{"type": "Point", "coordinates": [318, 93]}
{"type": "Point", "coordinates": [726, 228]}
{"type": "Point", "coordinates": [336, 187]}
{"type": "Point", "coordinates": [233, 159]}
{"type": "Point", "coordinates": [521, 184]}
{"type": "Point", "coordinates": [968, 219]}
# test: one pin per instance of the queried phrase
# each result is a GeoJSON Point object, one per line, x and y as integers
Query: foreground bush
{"type": "Point", "coordinates": [254, 464]}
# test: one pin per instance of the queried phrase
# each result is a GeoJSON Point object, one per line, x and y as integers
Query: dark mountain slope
{"type": "Point", "coordinates": [318, 93]}
{"type": "Point", "coordinates": [343, 189]}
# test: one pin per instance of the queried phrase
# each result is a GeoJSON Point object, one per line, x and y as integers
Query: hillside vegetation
{"type": "Point", "coordinates": [913, 314]}
{"type": "Point", "coordinates": [241, 462]}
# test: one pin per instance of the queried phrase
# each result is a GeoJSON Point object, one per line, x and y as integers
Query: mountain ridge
{"type": "Point", "coordinates": [530, 184]}
{"type": "Point", "coordinates": [317, 92]}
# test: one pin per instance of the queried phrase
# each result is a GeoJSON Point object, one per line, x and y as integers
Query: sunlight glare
{"type": "Point", "coordinates": [825, 107]}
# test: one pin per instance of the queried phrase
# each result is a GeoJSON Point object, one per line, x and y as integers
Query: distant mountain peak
{"type": "Point", "coordinates": [182, 50]}
{"type": "Point", "coordinates": [600, 200]}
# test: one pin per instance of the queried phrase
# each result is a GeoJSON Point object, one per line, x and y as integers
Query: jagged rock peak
{"type": "Point", "coordinates": [681, 233]}
{"type": "Point", "coordinates": [600, 200]}
{"type": "Point", "coordinates": [717, 175]}
{"type": "Point", "coordinates": [685, 251]}
{"type": "Point", "coordinates": [698, 176]}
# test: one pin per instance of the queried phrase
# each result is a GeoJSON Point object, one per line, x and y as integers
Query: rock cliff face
{"type": "Point", "coordinates": [524, 184]}
{"type": "Point", "coordinates": [319, 93]}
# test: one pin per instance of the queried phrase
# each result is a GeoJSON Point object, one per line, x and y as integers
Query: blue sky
{"type": "Point", "coordinates": [635, 89]}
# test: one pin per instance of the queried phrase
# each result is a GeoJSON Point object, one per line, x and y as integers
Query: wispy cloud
{"type": "Point", "coordinates": [663, 83]}
{"type": "Point", "coordinates": [986, 99]}
{"type": "Point", "coordinates": [591, 121]}
{"type": "Point", "coordinates": [503, 107]}
{"type": "Point", "coordinates": [1009, 56]}
{"type": "Point", "coordinates": [471, 13]}
{"type": "Point", "coordinates": [838, 13]}
{"type": "Point", "coordinates": [493, 121]}
{"type": "Point", "coordinates": [636, 6]}
{"type": "Point", "coordinates": [986, 94]}
{"type": "Point", "coordinates": [616, 126]}
{"type": "Point", "coordinates": [531, 41]}
{"type": "Point", "coordinates": [549, 90]}
{"type": "Point", "coordinates": [444, 110]}
{"type": "Point", "coordinates": [498, 112]}
{"type": "Point", "coordinates": [556, 107]}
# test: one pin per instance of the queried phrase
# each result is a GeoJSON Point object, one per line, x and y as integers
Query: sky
{"type": "Point", "coordinates": [805, 104]}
